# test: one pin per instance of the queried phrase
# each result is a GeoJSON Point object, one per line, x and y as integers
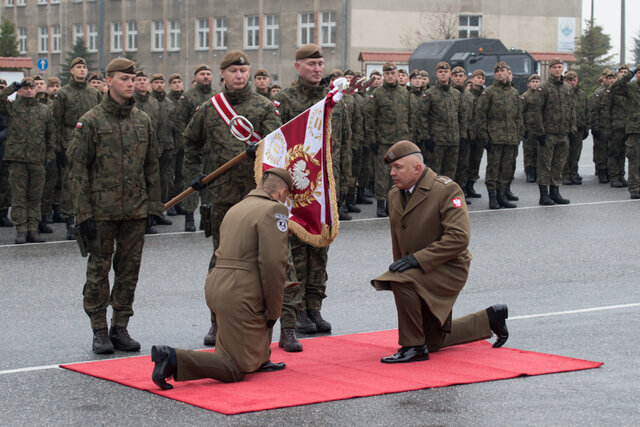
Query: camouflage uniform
{"type": "Point", "coordinates": [29, 146]}
{"type": "Point", "coordinates": [583, 121]}
{"type": "Point", "coordinates": [354, 106]}
{"type": "Point", "coordinates": [51, 177]}
{"type": "Point", "coordinates": [443, 121]}
{"type": "Point", "coordinates": [462, 169]}
{"type": "Point", "coordinates": [476, 150]}
{"type": "Point", "coordinates": [178, 184]}
{"type": "Point", "coordinates": [113, 165]}
{"type": "Point", "coordinates": [165, 135]}
{"type": "Point", "coordinates": [390, 117]}
{"type": "Point", "coordinates": [631, 92]}
{"type": "Point", "coordinates": [531, 103]}
{"type": "Point", "coordinates": [617, 113]}
{"type": "Point", "coordinates": [364, 175]}
{"type": "Point", "coordinates": [5, 192]}
{"type": "Point", "coordinates": [74, 99]}
{"type": "Point", "coordinates": [601, 130]}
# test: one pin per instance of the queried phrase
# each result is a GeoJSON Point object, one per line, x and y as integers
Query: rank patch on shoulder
{"type": "Point", "coordinates": [79, 125]}
{"type": "Point", "coordinates": [444, 179]}
{"type": "Point", "coordinates": [457, 202]}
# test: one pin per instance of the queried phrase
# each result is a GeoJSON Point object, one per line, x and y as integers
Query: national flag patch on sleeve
{"type": "Point", "coordinates": [276, 103]}
{"type": "Point", "coordinates": [457, 202]}
{"type": "Point", "coordinates": [277, 112]}
{"type": "Point", "coordinates": [79, 125]}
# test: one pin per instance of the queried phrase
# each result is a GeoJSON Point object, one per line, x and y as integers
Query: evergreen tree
{"type": "Point", "coordinates": [636, 49]}
{"type": "Point", "coordinates": [592, 56]}
{"type": "Point", "coordinates": [8, 41]}
{"type": "Point", "coordinates": [79, 49]}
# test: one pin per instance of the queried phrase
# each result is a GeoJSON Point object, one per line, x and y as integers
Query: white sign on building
{"type": "Point", "coordinates": [566, 34]}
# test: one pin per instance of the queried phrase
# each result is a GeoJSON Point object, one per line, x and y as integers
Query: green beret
{"type": "Point", "coordinates": [284, 174]}
{"type": "Point", "coordinates": [77, 61]}
{"type": "Point", "coordinates": [443, 66]}
{"type": "Point", "coordinates": [201, 67]}
{"type": "Point", "coordinates": [555, 61]}
{"type": "Point", "coordinates": [399, 150]}
{"type": "Point", "coordinates": [457, 70]}
{"type": "Point", "coordinates": [402, 71]}
{"type": "Point", "coordinates": [235, 57]}
{"type": "Point", "coordinates": [389, 66]}
{"type": "Point", "coordinates": [174, 76]}
{"type": "Point", "coordinates": [310, 50]}
{"type": "Point", "coordinates": [122, 65]}
{"type": "Point", "coordinates": [261, 72]}
{"type": "Point", "coordinates": [156, 76]}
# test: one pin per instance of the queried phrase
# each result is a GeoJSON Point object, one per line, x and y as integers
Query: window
{"type": "Point", "coordinates": [8, 3]}
{"type": "Point", "coordinates": [202, 33]}
{"type": "Point", "coordinates": [92, 37]}
{"type": "Point", "coordinates": [22, 40]}
{"type": "Point", "coordinates": [43, 39]}
{"type": "Point", "coordinates": [55, 39]}
{"type": "Point", "coordinates": [307, 28]}
{"type": "Point", "coordinates": [469, 26]}
{"type": "Point", "coordinates": [174, 34]}
{"type": "Point", "coordinates": [54, 2]}
{"type": "Point", "coordinates": [157, 36]}
{"type": "Point", "coordinates": [252, 33]}
{"type": "Point", "coordinates": [43, 2]}
{"type": "Point", "coordinates": [116, 36]}
{"type": "Point", "coordinates": [221, 33]}
{"type": "Point", "coordinates": [21, 2]}
{"type": "Point", "coordinates": [78, 32]}
{"type": "Point", "coordinates": [132, 36]}
{"type": "Point", "coordinates": [328, 28]}
{"type": "Point", "coordinates": [272, 31]}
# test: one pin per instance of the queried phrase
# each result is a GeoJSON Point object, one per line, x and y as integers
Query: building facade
{"type": "Point", "coordinates": [170, 36]}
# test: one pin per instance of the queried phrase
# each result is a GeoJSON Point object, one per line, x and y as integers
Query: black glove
{"type": "Point", "coordinates": [197, 183]}
{"type": "Point", "coordinates": [88, 229]}
{"type": "Point", "coordinates": [487, 146]}
{"type": "Point", "coordinates": [542, 139]}
{"type": "Point", "coordinates": [61, 159]}
{"type": "Point", "coordinates": [463, 142]}
{"type": "Point", "coordinates": [572, 138]}
{"type": "Point", "coordinates": [404, 263]}
{"type": "Point", "coordinates": [428, 144]}
{"type": "Point", "coordinates": [585, 135]}
{"type": "Point", "coordinates": [17, 85]}
{"type": "Point", "coordinates": [595, 133]}
{"type": "Point", "coordinates": [251, 150]}
{"type": "Point", "coordinates": [270, 323]}
{"type": "Point", "coordinates": [526, 134]}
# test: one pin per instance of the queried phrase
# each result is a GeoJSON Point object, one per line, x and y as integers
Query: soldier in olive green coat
{"type": "Point", "coordinates": [28, 153]}
{"type": "Point", "coordinates": [570, 174]}
{"type": "Point", "coordinates": [617, 113]}
{"type": "Point", "coordinates": [600, 129]}
{"type": "Point", "coordinates": [178, 184]}
{"type": "Point", "coordinates": [530, 100]}
{"type": "Point", "coordinates": [113, 160]}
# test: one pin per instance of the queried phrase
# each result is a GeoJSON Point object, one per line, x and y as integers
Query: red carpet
{"type": "Point", "coordinates": [339, 367]}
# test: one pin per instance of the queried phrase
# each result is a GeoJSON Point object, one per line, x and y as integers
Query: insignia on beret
{"type": "Point", "coordinates": [392, 156]}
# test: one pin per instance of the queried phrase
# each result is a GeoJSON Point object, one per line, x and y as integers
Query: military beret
{"type": "Point", "coordinates": [533, 77]}
{"type": "Point", "coordinates": [235, 57]}
{"type": "Point", "coordinates": [414, 74]}
{"type": "Point", "coordinates": [555, 61]}
{"type": "Point", "coordinates": [389, 66]}
{"type": "Point", "coordinates": [457, 70]}
{"type": "Point", "coordinates": [399, 150]}
{"type": "Point", "coordinates": [156, 76]}
{"type": "Point", "coordinates": [375, 73]}
{"type": "Point", "coordinates": [53, 81]}
{"type": "Point", "coordinates": [611, 73]}
{"type": "Point", "coordinates": [38, 78]}
{"type": "Point", "coordinates": [77, 61]}
{"type": "Point", "coordinates": [27, 81]}
{"type": "Point", "coordinates": [424, 73]}
{"type": "Point", "coordinates": [96, 76]}
{"type": "Point", "coordinates": [201, 67]}
{"type": "Point", "coordinates": [500, 65]}
{"type": "Point", "coordinates": [604, 72]}
{"type": "Point", "coordinates": [141, 74]}
{"type": "Point", "coordinates": [275, 86]}
{"type": "Point", "coordinates": [261, 72]}
{"type": "Point", "coordinates": [336, 73]}
{"type": "Point", "coordinates": [623, 67]}
{"type": "Point", "coordinates": [174, 76]}
{"type": "Point", "coordinates": [402, 71]}
{"type": "Point", "coordinates": [349, 72]}
{"type": "Point", "coordinates": [122, 65]}
{"type": "Point", "coordinates": [284, 174]}
{"type": "Point", "coordinates": [3, 82]}
{"type": "Point", "coordinates": [571, 75]}
{"type": "Point", "coordinates": [478, 73]}
{"type": "Point", "coordinates": [310, 50]}
{"type": "Point", "coordinates": [443, 66]}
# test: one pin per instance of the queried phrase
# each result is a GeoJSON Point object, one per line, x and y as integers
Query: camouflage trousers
{"type": "Point", "coordinates": [500, 165]}
{"type": "Point", "coordinates": [462, 169]}
{"type": "Point", "coordinates": [476, 151]}
{"type": "Point", "coordinates": [573, 156]}
{"type": "Point", "coordinates": [128, 239]}
{"type": "Point", "coordinates": [57, 188]}
{"type": "Point", "coordinates": [616, 160]}
{"type": "Point", "coordinates": [66, 205]}
{"type": "Point", "coordinates": [367, 167]}
{"type": "Point", "coordinates": [551, 158]}
{"type": "Point", "coordinates": [601, 151]}
{"type": "Point", "coordinates": [49, 190]}
{"type": "Point", "coordinates": [530, 151]}
{"type": "Point", "coordinates": [633, 154]}
{"type": "Point", "coordinates": [444, 160]}
{"type": "Point", "coordinates": [5, 188]}
{"type": "Point", "coordinates": [166, 174]}
{"type": "Point", "coordinates": [356, 166]}
{"type": "Point", "coordinates": [513, 164]}
{"type": "Point", "coordinates": [310, 264]}
{"type": "Point", "coordinates": [383, 181]}
{"type": "Point", "coordinates": [178, 183]}
{"type": "Point", "coordinates": [26, 181]}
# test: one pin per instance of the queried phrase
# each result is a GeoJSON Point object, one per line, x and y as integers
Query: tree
{"type": "Point", "coordinates": [440, 23]}
{"type": "Point", "coordinates": [8, 42]}
{"type": "Point", "coordinates": [79, 49]}
{"type": "Point", "coordinates": [592, 56]}
{"type": "Point", "coordinates": [636, 48]}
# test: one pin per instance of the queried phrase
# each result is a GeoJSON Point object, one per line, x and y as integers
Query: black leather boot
{"type": "Point", "coordinates": [43, 227]}
{"type": "Point", "coordinates": [502, 200]}
{"type": "Point", "coordinates": [69, 221]}
{"type": "Point", "coordinates": [304, 325]}
{"type": "Point", "coordinates": [321, 324]}
{"type": "Point", "coordinates": [531, 174]}
{"type": "Point", "coordinates": [189, 223]}
{"type": "Point", "coordinates": [210, 338]}
{"type": "Point", "coordinates": [34, 237]}
{"type": "Point", "coordinates": [180, 210]}
{"type": "Point", "coordinates": [498, 315]}
{"type": "Point", "coordinates": [545, 200]}
{"type": "Point", "coordinates": [121, 339]}
{"type": "Point", "coordinates": [381, 211]}
{"type": "Point", "coordinates": [102, 342]}
{"type": "Point", "coordinates": [360, 199]}
{"type": "Point", "coordinates": [556, 197]}
{"type": "Point", "coordinates": [288, 340]}
{"type": "Point", "coordinates": [165, 364]}
{"type": "Point", "coordinates": [471, 192]}
{"type": "Point", "coordinates": [509, 194]}
{"type": "Point", "coordinates": [493, 199]}
{"type": "Point", "coordinates": [351, 204]}
{"type": "Point", "coordinates": [21, 237]}
{"type": "Point", "coordinates": [4, 218]}
{"type": "Point", "coordinates": [172, 211]}
{"type": "Point", "coordinates": [57, 214]}
{"type": "Point", "coordinates": [343, 211]}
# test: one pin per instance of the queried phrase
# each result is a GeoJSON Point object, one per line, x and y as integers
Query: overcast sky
{"type": "Point", "coordinates": [607, 15]}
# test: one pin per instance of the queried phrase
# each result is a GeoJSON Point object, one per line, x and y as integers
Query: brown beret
{"type": "Point", "coordinates": [310, 50]}
{"type": "Point", "coordinates": [141, 74]}
{"type": "Point", "coordinates": [555, 61]}
{"type": "Point", "coordinates": [402, 71]}
{"type": "Point", "coordinates": [375, 73]}
{"type": "Point", "coordinates": [423, 73]}
{"type": "Point", "coordinates": [284, 174]}
{"type": "Point", "coordinates": [336, 72]}
{"type": "Point", "coordinates": [275, 86]}
{"type": "Point", "coordinates": [611, 73]}
{"type": "Point", "coordinates": [96, 76]}
{"type": "Point", "coordinates": [27, 81]}
{"type": "Point", "coordinates": [571, 75]}
{"type": "Point", "coordinates": [201, 67]}
{"type": "Point", "coordinates": [533, 77]}
{"type": "Point", "coordinates": [122, 65]}
{"type": "Point", "coordinates": [443, 66]}
{"type": "Point", "coordinates": [235, 57]}
{"type": "Point", "coordinates": [53, 81]}
{"type": "Point", "coordinates": [500, 65]}
{"type": "Point", "coordinates": [3, 82]}
{"type": "Point", "coordinates": [399, 150]}
{"type": "Point", "coordinates": [389, 66]}
{"type": "Point", "coordinates": [414, 74]}
{"type": "Point", "coordinates": [77, 61]}
{"type": "Point", "coordinates": [156, 76]}
{"type": "Point", "coordinates": [457, 70]}
{"type": "Point", "coordinates": [623, 67]}
{"type": "Point", "coordinates": [174, 76]}
{"type": "Point", "coordinates": [38, 78]}
{"type": "Point", "coordinates": [261, 72]}
{"type": "Point", "coordinates": [478, 73]}
{"type": "Point", "coordinates": [349, 72]}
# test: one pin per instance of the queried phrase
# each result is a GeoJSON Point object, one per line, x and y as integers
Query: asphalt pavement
{"type": "Point", "coordinates": [569, 274]}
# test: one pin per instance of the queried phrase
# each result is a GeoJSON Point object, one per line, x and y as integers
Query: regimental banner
{"type": "Point", "coordinates": [303, 147]}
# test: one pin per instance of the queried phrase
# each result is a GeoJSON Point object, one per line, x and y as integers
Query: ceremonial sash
{"type": "Point", "coordinates": [238, 128]}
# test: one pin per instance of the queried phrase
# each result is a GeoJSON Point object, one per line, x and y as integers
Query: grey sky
{"type": "Point", "coordinates": [607, 15]}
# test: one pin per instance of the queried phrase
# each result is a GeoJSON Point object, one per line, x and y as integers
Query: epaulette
{"type": "Point", "coordinates": [443, 179]}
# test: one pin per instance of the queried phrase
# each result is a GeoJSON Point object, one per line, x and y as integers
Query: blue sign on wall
{"type": "Point", "coordinates": [43, 64]}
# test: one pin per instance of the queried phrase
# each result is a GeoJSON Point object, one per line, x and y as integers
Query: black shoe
{"type": "Point", "coordinates": [577, 179]}
{"type": "Point", "coordinates": [210, 338]}
{"type": "Point", "coordinates": [172, 211]}
{"type": "Point", "coordinates": [163, 368]}
{"type": "Point", "coordinates": [150, 230]}
{"type": "Point", "coordinates": [162, 220]}
{"type": "Point", "coordinates": [566, 180]}
{"type": "Point", "coordinates": [351, 204]}
{"type": "Point", "coordinates": [121, 339]}
{"type": "Point", "coordinates": [4, 218]}
{"type": "Point", "coordinates": [57, 215]}
{"type": "Point", "coordinates": [361, 199]}
{"type": "Point", "coordinates": [304, 325]}
{"type": "Point", "coordinates": [471, 192]}
{"type": "Point", "coordinates": [408, 354]}
{"type": "Point", "coordinates": [381, 210]}
{"type": "Point", "coordinates": [545, 200]}
{"type": "Point", "coordinates": [43, 227]}
{"type": "Point", "coordinates": [21, 237]}
{"type": "Point", "coordinates": [69, 221]}
{"type": "Point", "coordinates": [616, 183]}
{"type": "Point", "coordinates": [498, 315]}
{"type": "Point", "coordinates": [189, 223]}
{"type": "Point", "coordinates": [556, 197]}
{"type": "Point", "coordinates": [531, 174]}
{"type": "Point", "coordinates": [502, 200]}
{"type": "Point", "coordinates": [368, 193]}
{"type": "Point", "coordinates": [34, 237]}
{"type": "Point", "coordinates": [269, 366]}
{"type": "Point", "coordinates": [602, 176]}
{"type": "Point", "coordinates": [288, 340]}
{"type": "Point", "coordinates": [493, 199]}
{"type": "Point", "coordinates": [509, 194]}
{"type": "Point", "coordinates": [321, 324]}
{"type": "Point", "coordinates": [634, 195]}
{"type": "Point", "coordinates": [101, 342]}
{"type": "Point", "coordinates": [343, 213]}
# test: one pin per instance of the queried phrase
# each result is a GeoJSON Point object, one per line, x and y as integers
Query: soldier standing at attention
{"type": "Point", "coordinates": [458, 78]}
{"type": "Point", "coordinates": [29, 152]}
{"type": "Point", "coordinates": [74, 99]}
{"type": "Point", "coordinates": [390, 116]}
{"type": "Point", "coordinates": [5, 192]}
{"type": "Point", "coordinates": [355, 109]}
{"type": "Point", "coordinates": [570, 174]}
{"type": "Point", "coordinates": [262, 80]}
{"type": "Point", "coordinates": [415, 81]}
{"type": "Point", "coordinates": [52, 172]}
{"type": "Point", "coordinates": [113, 159]}
{"type": "Point", "coordinates": [403, 78]}
{"type": "Point", "coordinates": [53, 86]}
{"type": "Point", "coordinates": [175, 92]}
{"type": "Point", "coordinates": [530, 99]}
{"type": "Point", "coordinates": [599, 147]}
{"type": "Point", "coordinates": [476, 149]}
{"type": "Point", "coordinates": [499, 119]}
{"type": "Point", "coordinates": [617, 113]}
{"type": "Point", "coordinates": [555, 128]}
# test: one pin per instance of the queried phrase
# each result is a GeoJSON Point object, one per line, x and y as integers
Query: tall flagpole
{"type": "Point", "coordinates": [622, 32]}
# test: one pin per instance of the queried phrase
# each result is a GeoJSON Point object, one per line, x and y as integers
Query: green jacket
{"type": "Point", "coordinates": [74, 99]}
{"type": "Point", "coordinates": [391, 113]}
{"type": "Point", "coordinates": [531, 101]}
{"type": "Point", "coordinates": [557, 113]}
{"type": "Point", "coordinates": [442, 115]}
{"type": "Point", "coordinates": [600, 101]}
{"type": "Point", "coordinates": [32, 131]}
{"type": "Point", "coordinates": [113, 161]}
{"type": "Point", "coordinates": [631, 92]}
{"type": "Point", "coordinates": [189, 102]}
{"type": "Point", "coordinates": [165, 130]}
{"type": "Point", "coordinates": [499, 115]}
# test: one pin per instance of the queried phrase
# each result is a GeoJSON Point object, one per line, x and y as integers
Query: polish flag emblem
{"type": "Point", "coordinates": [457, 202]}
